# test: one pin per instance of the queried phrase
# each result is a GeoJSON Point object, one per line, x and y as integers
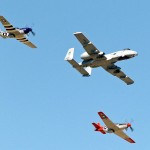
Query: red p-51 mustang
{"type": "Point", "coordinates": [113, 128]}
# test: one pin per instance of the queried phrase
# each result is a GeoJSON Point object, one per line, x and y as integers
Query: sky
{"type": "Point", "coordinates": [45, 103]}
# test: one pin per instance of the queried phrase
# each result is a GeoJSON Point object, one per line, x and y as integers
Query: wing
{"type": "Point", "coordinates": [108, 122]}
{"type": "Point", "coordinates": [26, 41]}
{"type": "Point", "coordinates": [124, 136]}
{"type": "Point", "coordinates": [9, 28]}
{"type": "Point", "coordinates": [115, 70]}
{"type": "Point", "coordinates": [87, 45]}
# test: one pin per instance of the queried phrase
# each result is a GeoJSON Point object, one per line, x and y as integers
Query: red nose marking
{"type": "Point", "coordinates": [128, 125]}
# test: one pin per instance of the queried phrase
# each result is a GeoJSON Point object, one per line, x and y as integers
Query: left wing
{"type": "Point", "coordinates": [87, 45]}
{"type": "Point", "coordinates": [116, 71]}
{"type": "Point", "coordinates": [124, 136]}
{"type": "Point", "coordinates": [9, 28]}
{"type": "Point", "coordinates": [108, 122]}
{"type": "Point", "coordinates": [26, 41]}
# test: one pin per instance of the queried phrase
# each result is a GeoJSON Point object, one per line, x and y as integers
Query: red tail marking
{"type": "Point", "coordinates": [99, 128]}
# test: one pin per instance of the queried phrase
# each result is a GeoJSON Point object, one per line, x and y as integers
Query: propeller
{"type": "Point", "coordinates": [30, 29]}
{"type": "Point", "coordinates": [33, 33]}
{"type": "Point", "coordinates": [132, 129]}
{"type": "Point", "coordinates": [129, 126]}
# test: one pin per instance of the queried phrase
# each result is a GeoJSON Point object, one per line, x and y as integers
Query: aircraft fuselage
{"type": "Point", "coordinates": [107, 58]}
{"type": "Point", "coordinates": [120, 126]}
{"type": "Point", "coordinates": [21, 32]}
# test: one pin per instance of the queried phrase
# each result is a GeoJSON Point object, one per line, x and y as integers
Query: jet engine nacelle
{"type": "Point", "coordinates": [86, 56]}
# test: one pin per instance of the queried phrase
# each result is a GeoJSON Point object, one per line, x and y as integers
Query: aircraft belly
{"type": "Point", "coordinates": [98, 63]}
{"type": "Point", "coordinates": [95, 63]}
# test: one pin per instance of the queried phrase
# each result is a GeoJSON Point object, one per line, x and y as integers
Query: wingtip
{"type": "Point", "coordinates": [130, 140]}
{"type": "Point", "coordinates": [100, 112]}
{"type": "Point", "coordinates": [130, 83]}
{"type": "Point", "coordinates": [77, 33]}
{"type": "Point", "coordinates": [102, 115]}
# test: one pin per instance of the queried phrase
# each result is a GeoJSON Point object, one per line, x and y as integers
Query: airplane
{"type": "Point", "coordinates": [17, 33]}
{"type": "Point", "coordinates": [113, 128]}
{"type": "Point", "coordinates": [94, 58]}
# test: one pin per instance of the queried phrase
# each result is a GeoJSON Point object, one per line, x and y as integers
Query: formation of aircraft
{"type": "Point", "coordinates": [17, 33]}
{"type": "Point", "coordinates": [113, 128]}
{"type": "Point", "coordinates": [93, 58]}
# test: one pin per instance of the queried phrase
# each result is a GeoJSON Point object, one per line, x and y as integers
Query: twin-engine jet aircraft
{"type": "Point", "coordinates": [93, 58]}
{"type": "Point", "coordinates": [17, 33]}
{"type": "Point", "coordinates": [113, 128]}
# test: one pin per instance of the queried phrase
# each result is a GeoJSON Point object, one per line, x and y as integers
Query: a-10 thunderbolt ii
{"type": "Point", "coordinates": [116, 128]}
{"type": "Point", "coordinates": [93, 58]}
{"type": "Point", "coordinates": [17, 33]}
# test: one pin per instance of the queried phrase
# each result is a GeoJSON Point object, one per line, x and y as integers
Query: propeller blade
{"type": "Point", "coordinates": [33, 33]}
{"type": "Point", "coordinates": [131, 129]}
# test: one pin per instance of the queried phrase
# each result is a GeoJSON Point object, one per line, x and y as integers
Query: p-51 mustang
{"type": "Point", "coordinates": [93, 58]}
{"type": "Point", "coordinates": [113, 128]}
{"type": "Point", "coordinates": [17, 33]}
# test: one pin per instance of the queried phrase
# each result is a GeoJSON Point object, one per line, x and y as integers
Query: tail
{"type": "Point", "coordinates": [2, 34]}
{"type": "Point", "coordinates": [98, 127]}
{"type": "Point", "coordinates": [85, 71]}
{"type": "Point", "coordinates": [69, 55]}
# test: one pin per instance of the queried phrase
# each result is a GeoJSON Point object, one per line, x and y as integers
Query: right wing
{"type": "Point", "coordinates": [108, 122]}
{"type": "Point", "coordinates": [87, 45]}
{"type": "Point", "coordinates": [116, 71]}
{"type": "Point", "coordinates": [124, 136]}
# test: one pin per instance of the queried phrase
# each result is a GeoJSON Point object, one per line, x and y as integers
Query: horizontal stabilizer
{"type": "Point", "coordinates": [86, 71]}
{"type": "Point", "coordinates": [96, 125]}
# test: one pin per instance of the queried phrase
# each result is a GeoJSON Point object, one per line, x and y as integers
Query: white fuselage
{"type": "Point", "coordinates": [97, 61]}
{"type": "Point", "coordinates": [120, 126]}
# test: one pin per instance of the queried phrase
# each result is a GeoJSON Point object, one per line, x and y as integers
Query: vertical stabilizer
{"type": "Point", "coordinates": [70, 53]}
{"type": "Point", "coordinates": [86, 71]}
{"type": "Point", "coordinates": [89, 70]}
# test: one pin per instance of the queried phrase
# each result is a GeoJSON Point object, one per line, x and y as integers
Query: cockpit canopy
{"type": "Point", "coordinates": [126, 49]}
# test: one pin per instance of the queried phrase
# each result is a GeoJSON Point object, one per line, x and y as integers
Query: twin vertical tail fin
{"type": "Point", "coordinates": [85, 71]}
{"type": "Point", "coordinates": [69, 55]}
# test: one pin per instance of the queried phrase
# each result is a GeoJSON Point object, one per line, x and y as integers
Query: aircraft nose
{"type": "Point", "coordinates": [135, 53]}
{"type": "Point", "coordinates": [128, 125]}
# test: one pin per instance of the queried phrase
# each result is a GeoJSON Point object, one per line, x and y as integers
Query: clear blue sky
{"type": "Point", "coordinates": [45, 103]}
